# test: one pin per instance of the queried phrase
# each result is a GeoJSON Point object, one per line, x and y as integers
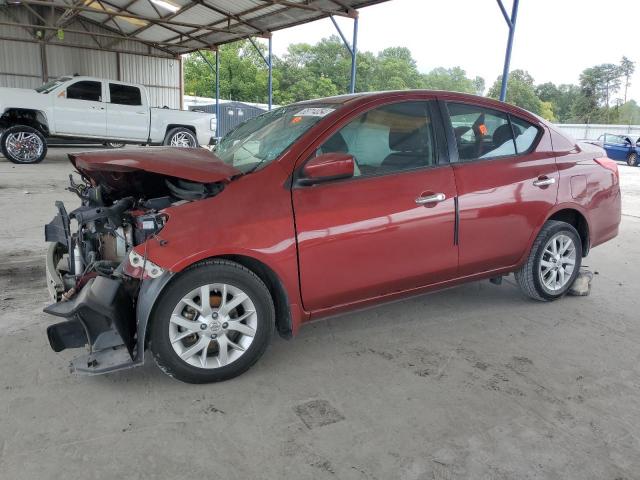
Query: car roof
{"type": "Point", "coordinates": [364, 97]}
{"type": "Point", "coordinates": [68, 78]}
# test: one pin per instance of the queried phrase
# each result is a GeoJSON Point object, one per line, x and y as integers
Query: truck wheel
{"type": "Point", "coordinates": [632, 159]}
{"type": "Point", "coordinates": [212, 323]}
{"type": "Point", "coordinates": [553, 263]}
{"type": "Point", "coordinates": [23, 144]}
{"type": "Point", "coordinates": [181, 137]}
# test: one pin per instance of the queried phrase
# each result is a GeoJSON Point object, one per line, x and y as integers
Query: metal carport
{"type": "Point", "coordinates": [167, 29]}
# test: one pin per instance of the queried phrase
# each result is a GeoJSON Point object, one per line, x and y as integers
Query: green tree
{"type": "Point", "coordinates": [243, 75]}
{"type": "Point", "coordinates": [394, 69]}
{"type": "Point", "coordinates": [479, 85]}
{"type": "Point", "coordinates": [308, 71]}
{"type": "Point", "coordinates": [561, 98]}
{"type": "Point", "coordinates": [597, 85]}
{"type": "Point", "coordinates": [452, 79]}
{"type": "Point", "coordinates": [630, 113]}
{"type": "Point", "coordinates": [627, 67]}
{"type": "Point", "coordinates": [546, 111]}
{"type": "Point", "coordinates": [520, 91]}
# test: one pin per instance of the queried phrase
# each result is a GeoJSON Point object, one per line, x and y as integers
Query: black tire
{"type": "Point", "coordinates": [529, 275]}
{"type": "Point", "coordinates": [184, 132]}
{"type": "Point", "coordinates": [632, 159]}
{"type": "Point", "coordinates": [10, 133]}
{"type": "Point", "coordinates": [211, 271]}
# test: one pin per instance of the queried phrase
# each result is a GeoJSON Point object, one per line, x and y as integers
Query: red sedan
{"type": "Point", "coordinates": [315, 209]}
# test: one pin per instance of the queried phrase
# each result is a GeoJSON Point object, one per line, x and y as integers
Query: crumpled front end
{"type": "Point", "coordinates": [98, 275]}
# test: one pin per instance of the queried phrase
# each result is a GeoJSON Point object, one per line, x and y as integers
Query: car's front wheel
{"type": "Point", "coordinates": [632, 159]}
{"type": "Point", "coordinates": [212, 323]}
{"type": "Point", "coordinates": [181, 137]}
{"type": "Point", "coordinates": [23, 144]}
{"type": "Point", "coordinates": [553, 263]}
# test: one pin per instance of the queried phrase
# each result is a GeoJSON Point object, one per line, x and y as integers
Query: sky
{"type": "Point", "coordinates": [555, 39]}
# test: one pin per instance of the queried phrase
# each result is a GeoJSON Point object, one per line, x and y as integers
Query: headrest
{"type": "Point", "coordinates": [403, 141]}
{"type": "Point", "coordinates": [502, 134]}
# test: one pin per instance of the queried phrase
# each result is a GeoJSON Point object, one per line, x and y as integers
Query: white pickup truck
{"type": "Point", "coordinates": [94, 109]}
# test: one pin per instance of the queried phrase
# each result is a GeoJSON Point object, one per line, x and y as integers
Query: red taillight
{"type": "Point", "coordinates": [609, 164]}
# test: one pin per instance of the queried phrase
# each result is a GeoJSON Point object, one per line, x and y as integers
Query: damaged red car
{"type": "Point", "coordinates": [311, 210]}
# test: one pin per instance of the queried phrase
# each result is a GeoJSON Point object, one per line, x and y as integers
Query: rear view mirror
{"type": "Point", "coordinates": [328, 166]}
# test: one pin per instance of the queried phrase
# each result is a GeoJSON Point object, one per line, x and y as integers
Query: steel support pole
{"type": "Point", "coordinates": [216, 71]}
{"type": "Point", "coordinates": [511, 23]}
{"type": "Point", "coordinates": [353, 49]}
{"type": "Point", "coordinates": [269, 64]}
{"type": "Point", "coordinates": [354, 53]}
{"type": "Point", "coordinates": [217, 91]}
{"type": "Point", "coordinates": [270, 87]}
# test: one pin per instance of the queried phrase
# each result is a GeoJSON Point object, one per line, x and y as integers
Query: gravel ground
{"type": "Point", "coordinates": [475, 382]}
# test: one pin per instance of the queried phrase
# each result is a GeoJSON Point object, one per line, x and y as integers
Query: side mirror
{"type": "Point", "coordinates": [328, 166]}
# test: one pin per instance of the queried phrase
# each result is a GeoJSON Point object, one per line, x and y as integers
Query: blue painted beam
{"type": "Point", "coordinates": [511, 23]}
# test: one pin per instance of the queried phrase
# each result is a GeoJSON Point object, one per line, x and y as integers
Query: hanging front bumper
{"type": "Point", "coordinates": [102, 316]}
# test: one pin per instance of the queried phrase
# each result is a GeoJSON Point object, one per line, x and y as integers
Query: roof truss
{"type": "Point", "coordinates": [175, 27]}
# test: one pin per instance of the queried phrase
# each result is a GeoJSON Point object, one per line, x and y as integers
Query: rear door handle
{"type": "Point", "coordinates": [544, 182]}
{"type": "Point", "coordinates": [435, 198]}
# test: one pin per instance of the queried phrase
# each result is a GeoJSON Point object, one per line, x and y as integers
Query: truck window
{"type": "Point", "coordinates": [125, 94]}
{"type": "Point", "coordinates": [85, 90]}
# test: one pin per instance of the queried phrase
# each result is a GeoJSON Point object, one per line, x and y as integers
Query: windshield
{"type": "Point", "coordinates": [51, 84]}
{"type": "Point", "coordinates": [262, 139]}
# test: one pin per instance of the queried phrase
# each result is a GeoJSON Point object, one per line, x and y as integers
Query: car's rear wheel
{"type": "Point", "coordinates": [212, 323]}
{"type": "Point", "coordinates": [553, 263]}
{"type": "Point", "coordinates": [632, 159]}
{"type": "Point", "coordinates": [181, 137]}
{"type": "Point", "coordinates": [23, 144]}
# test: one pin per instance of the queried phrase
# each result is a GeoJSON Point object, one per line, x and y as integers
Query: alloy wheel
{"type": "Point", "coordinates": [558, 262]}
{"type": "Point", "coordinates": [213, 325]}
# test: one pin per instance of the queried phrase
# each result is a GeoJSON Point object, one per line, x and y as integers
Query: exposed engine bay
{"type": "Point", "coordinates": [93, 273]}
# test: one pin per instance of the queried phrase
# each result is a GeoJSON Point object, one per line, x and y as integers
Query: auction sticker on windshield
{"type": "Point", "coordinates": [314, 112]}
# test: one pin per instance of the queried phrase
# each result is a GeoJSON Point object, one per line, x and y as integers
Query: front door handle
{"type": "Point", "coordinates": [435, 198]}
{"type": "Point", "coordinates": [544, 182]}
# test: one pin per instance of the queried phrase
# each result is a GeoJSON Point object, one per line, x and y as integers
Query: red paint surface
{"type": "Point", "coordinates": [197, 164]}
{"type": "Point", "coordinates": [350, 243]}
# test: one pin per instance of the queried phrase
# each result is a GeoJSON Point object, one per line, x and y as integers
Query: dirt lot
{"type": "Point", "coordinates": [472, 383]}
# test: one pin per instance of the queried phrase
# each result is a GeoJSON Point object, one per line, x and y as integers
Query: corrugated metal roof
{"type": "Point", "coordinates": [181, 26]}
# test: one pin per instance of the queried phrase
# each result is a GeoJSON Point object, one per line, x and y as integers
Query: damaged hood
{"type": "Point", "coordinates": [194, 164]}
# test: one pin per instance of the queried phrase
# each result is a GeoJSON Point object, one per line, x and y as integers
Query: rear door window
{"type": "Point", "coordinates": [124, 94]}
{"type": "Point", "coordinates": [85, 90]}
{"type": "Point", "coordinates": [481, 133]}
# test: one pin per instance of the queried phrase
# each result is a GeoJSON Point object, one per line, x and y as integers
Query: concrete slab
{"type": "Point", "coordinates": [473, 382]}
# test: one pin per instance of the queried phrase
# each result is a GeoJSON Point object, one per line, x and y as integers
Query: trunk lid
{"type": "Point", "coordinates": [193, 164]}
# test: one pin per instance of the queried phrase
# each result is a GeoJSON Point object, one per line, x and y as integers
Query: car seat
{"type": "Point", "coordinates": [409, 150]}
